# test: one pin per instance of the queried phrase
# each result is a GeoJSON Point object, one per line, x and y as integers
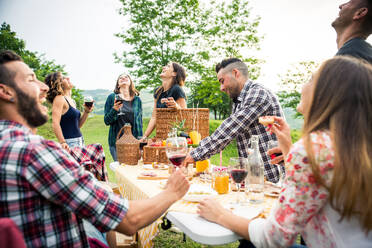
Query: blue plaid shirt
{"type": "Point", "coordinates": [254, 101]}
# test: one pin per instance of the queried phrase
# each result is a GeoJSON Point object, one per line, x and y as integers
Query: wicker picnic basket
{"type": "Point", "coordinates": [127, 147]}
{"type": "Point", "coordinates": [195, 119]}
{"type": "Point", "coordinates": [154, 153]}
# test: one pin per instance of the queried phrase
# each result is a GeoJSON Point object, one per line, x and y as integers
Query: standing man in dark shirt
{"type": "Point", "coordinates": [353, 26]}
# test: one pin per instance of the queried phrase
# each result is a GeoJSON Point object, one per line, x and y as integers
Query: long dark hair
{"type": "Point", "coordinates": [132, 90]}
{"type": "Point", "coordinates": [178, 79]}
{"type": "Point", "coordinates": [54, 82]}
{"type": "Point", "coordinates": [342, 103]}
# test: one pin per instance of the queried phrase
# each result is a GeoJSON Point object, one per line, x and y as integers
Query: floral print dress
{"type": "Point", "coordinates": [303, 206]}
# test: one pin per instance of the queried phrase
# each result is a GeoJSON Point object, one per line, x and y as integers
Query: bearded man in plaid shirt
{"type": "Point", "coordinates": [43, 189]}
{"type": "Point", "coordinates": [250, 101]}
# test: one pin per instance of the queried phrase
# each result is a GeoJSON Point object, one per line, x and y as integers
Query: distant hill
{"type": "Point", "coordinates": [100, 96]}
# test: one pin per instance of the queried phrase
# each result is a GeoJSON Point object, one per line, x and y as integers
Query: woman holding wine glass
{"type": "Point", "coordinates": [123, 106]}
{"type": "Point", "coordinates": [170, 94]}
{"type": "Point", "coordinates": [66, 118]}
{"type": "Point", "coordinates": [327, 190]}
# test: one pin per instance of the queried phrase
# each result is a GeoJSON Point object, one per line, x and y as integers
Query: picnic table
{"type": "Point", "coordinates": [182, 213]}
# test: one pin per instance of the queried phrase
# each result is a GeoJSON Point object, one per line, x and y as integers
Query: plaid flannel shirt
{"type": "Point", "coordinates": [47, 193]}
{"type": "Point", "coordinates": [92, 157]}
{"type": "Point", "coordinates": [254, 101]}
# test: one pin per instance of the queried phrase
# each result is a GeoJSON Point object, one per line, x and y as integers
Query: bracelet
{"type": "Point", "coordinates": [63, 142]}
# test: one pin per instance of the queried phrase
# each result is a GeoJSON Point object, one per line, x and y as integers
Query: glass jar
{"type": "Point", "coordinates": [220, 180]}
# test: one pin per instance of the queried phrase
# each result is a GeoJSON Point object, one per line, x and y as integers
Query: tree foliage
{"type": "Point", "coordinates": [292, 82]}
{"type": "Point", "coordinates": [37, 62]}
{"type": "Point", "coordinates": [194, 34]}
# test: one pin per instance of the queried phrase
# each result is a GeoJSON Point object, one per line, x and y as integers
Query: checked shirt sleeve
{"type": "Point", "coordinates": [253, 106]}
{"type": "Point", "coordinates": [60, 179]}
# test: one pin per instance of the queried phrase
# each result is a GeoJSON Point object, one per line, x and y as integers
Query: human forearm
{"type": "Point", "coordinates": [144, 212]}
{"type": "Point", "coordinates": [58, 131]}
{"type": "Point", "coordinates": [235, 223]}
{"type": "Point", "coordinates": [150, 127]}
{"type": "Point", "coordinates": [83, 118]}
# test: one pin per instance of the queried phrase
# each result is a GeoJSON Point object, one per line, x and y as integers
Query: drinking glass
{"type": "Point", "coordinates": [119, 98]}
{"type": "Point", "coordinates": [176, 150]}
{"type": "Point", "coordinates": [238, 169]}
{"type": "Point", "coordinates": [272, 144]}
{"type": "Point", "coordinates": [88, 101]}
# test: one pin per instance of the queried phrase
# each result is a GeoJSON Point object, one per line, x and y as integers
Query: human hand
{"type": "Point", "coordinates": [278, 158]}
{"type": "Point", "coordinates": [65, 146]}
{"type": "Point", "coordinates": [171, 103]}
{"type": "Point", "coordinates": [117, 105]}
{"type": "Point", "coordinates": [211, 210]}
{"type": "Point", "coordinates": [283, 133]}
{"type": "Point", "coordinates": [177, 185]}
{"type": "Point", "coordinates": [188, 160]}
{"type": "Point", "coordinates": [88, 109]}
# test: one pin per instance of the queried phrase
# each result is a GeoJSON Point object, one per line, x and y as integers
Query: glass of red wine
{"type": "Point", "coordinates": [176, 150]}
{"type": "Point", "coordinates": [238, 169]}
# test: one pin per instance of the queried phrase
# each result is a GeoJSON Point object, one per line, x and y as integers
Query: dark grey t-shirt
{"type": "Point", "coordinates": [357, 48]}
{"type": "Point", "coordinates": [176, 92]}
{"type": "Point", "coordinates": [125, 114]}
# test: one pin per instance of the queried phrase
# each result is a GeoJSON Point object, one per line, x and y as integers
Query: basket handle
{"type": "Point", "coordinates": [119, 133]}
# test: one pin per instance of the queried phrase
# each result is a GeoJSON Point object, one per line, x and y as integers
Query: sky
{"type": "Point", "coordinates": [80, 35]}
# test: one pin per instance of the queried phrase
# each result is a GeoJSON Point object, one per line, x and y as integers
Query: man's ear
{"type": "Point", "coordinates": [7, 93]}
{"type": "Point", "coordinates": [236, 73]}
{"type": "Point", "coordinates": [360, 13]}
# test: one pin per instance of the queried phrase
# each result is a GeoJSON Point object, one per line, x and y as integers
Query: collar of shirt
{"type": "Point", "coordinates": [5, 124]}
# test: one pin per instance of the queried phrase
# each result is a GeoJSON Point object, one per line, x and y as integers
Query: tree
{"type": "Point", "coordinates": [158, 32]}
{"type": "Point", "coordinates": [37, 62]}
{"type": "Point", "coordinates": [196, 35]}
{"type": "Point", "coordinates": [229, 31]}
{"type": "Point", "coordinates": [292, 82]}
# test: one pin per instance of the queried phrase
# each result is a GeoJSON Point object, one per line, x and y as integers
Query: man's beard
{"type": "Point", "coordinates": [235, 90]}
{"type": "Point", "coordinates": [28, 109]}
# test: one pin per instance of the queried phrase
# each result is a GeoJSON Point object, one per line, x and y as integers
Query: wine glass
{"type": "Point", "coordinates": [238, 169]}
{"type": "Point", "coordinates": [119, 98]}
{"type": "Point", "coordinates": [176, 150]}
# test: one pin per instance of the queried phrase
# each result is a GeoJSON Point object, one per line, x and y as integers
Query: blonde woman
{"type": "Point", "coordinates": [326, 195]}
{"type": "Point", "coordinates": [170, 94]}
{"type": "Point", "coordinates": [123, 106]}
{"type": "Point", "coordinates": [66, 118]}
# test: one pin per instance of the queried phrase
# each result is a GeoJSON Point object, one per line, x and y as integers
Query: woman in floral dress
{"type": "Point", "coordinates": [327, 193]}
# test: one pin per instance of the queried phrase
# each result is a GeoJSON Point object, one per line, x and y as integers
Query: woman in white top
{"type": "Point", "coordinates": [327, 192]}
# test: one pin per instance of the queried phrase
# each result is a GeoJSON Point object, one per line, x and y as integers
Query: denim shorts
{"type": "Point", "coordinates": [75, 142]}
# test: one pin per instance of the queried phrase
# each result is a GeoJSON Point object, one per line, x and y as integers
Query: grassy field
{"type": "Point", "coordinates": [95, 131]}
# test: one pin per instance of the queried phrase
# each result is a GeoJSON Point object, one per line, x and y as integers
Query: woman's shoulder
{"type": "Point", "coordinates": [176, 90]}
{"type": "Point", "coordinates": [59, 99]}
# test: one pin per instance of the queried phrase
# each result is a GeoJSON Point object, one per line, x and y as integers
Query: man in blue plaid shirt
{"type": "Point", "coordinates": [250, 101]}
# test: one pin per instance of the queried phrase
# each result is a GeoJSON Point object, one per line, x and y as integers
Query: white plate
{"type": "Point", "coordinates": [248, 212]}
{"type": "Point", "coordinates": [149, 167]}
{"type": "Point", "coordinates": [199, 192]}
